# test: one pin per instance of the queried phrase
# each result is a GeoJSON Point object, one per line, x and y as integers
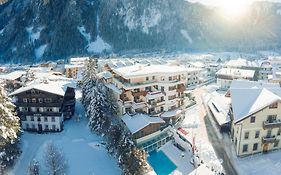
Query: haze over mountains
{"type": "Point", "coordinates": [34, 30]}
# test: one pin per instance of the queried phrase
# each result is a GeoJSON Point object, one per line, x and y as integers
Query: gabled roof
{"type": "Point", "coordinates": [251, 99]}
{"type": "Point", "coordinates": [139, 121]}
{"type": "Point", "coordinates": [13, 75]}
{"type": "Point", "coordinates": [54, 87]}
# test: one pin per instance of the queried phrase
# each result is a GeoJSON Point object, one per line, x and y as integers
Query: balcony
{"type": "Point", "coordinates": [137, 104]}
{"type": "Point", "coordinates": [141, 93]}
{"type": "Point", "coordinates": [181, 88]}
{"type": "Point", "coordinates": [272, 124]}
{"type": "Point", "coordinates": [153, 95]}
{"type": "Point", "coordinates": [125, 101]}
{"type": "Point", "coordinates": [270, 139]}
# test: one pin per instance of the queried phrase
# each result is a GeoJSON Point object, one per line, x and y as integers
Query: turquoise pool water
{"type": "Point", "coordinates": [161, 164]}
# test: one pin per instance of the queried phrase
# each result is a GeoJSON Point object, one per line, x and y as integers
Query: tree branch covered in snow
{"type": "Point", "coordinates": [33, 168]}
{"type": "Point", "coordinates": [54, 160]}
{"type": "Point", "coordinates": [101, 109]}
{"type": "Point", "coordinates": [9, 131]}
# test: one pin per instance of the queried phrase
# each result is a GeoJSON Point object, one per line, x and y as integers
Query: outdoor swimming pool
{"type": "Point", "coordinates": [161, 164]}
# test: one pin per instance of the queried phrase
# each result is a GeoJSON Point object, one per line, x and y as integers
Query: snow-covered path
{"type": "Point", "coordinates": [82, 149]}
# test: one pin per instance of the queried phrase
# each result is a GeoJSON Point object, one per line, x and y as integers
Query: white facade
{"type": "Point", "coordinates": [226, 75]}
{"type": "Point", "coordinates": [155, 90]}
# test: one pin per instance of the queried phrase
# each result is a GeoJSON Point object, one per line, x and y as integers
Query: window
{"type": "Point", "coordinates": [268, 133]}
{"type": "Point", "coordinates": [276, 143]}
{"type": "Point", "coordinates": [147, 78]}
{"type": "Point", "coordinates": [153, 77]}
{"type": "Point", "coordinates": [246, 136]}
{"type": "Point", "coordinates": [253, 119]}
{"type": "Point", "coordinates": [33, 100]}
{"type": "Point", "coordinates": [46, 127]}
{"type": "Point", "coordinates": [273, 106]}
{"type": "Point", "coordinates": [33, 126]}
{"type": "Point", "coordinates": [40, 100]}
{"type": "Point", "coordinates": [25, 100]}
{"type": "Point", "coordinates": [53, 127]}
{"type": "Point", "coordinates": [279, 132]}
{"type": "Point", "coordinates": [257, 135]}
{"type": "Point", "coordinates": [170, 78]}
{"type": "Point", "coordinates": [245, 148]}
{"type": "Point", "coordinates": [255, 147]}
{"type": "Point", "coordinates": [31, 118]}
{"type": "Point", "coordinates": [48, 100]}
{"type": "Point", "coordinates": [33, 109]}
{"type": "Point", "coordinates": [27, 126]}
{"type": "Point", "coordinates": [271, 118]}
{"type": "Point", "coordinates": [49, 109]}
{"type": "Point", "coordinates": [45, 119]}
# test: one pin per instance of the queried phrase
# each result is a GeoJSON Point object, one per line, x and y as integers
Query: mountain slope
{"type": "Point", "coordinates": [34, 30]}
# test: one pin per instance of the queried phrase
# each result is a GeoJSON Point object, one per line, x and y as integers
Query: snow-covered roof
{"type": "Point", "coordinates": [171, 113]}
{"type": "Point", "coordinates": [202, 170]}
{"type": "Point", "coordinates": [197, 64]}
{"type": "Point", "coordinates": [142, 70]}
{"type": "Point", "coordinates": [241, 63]}
{"type": "Point", "coordinates": [55, 87]}
{"type": "Point", "coordinates": [13, 75]}
{"type": "Point", "coordinates": [69, 66]}
{"type": "Point", "coordinates": [219, 105]}
{"type": "Point", "coordinates": [245, 84]}
{"type": "Point", "coordinates": [105, 75]}
{"type": "Point", "coordinates": [78, 60]}
{"type": "Point", "coordinates": [139, 121]}
{"type": "Point", "coordinates": [114, 88]}
{"type": "Point", "coordinates": [252, 97]}
{"type": "Point", "coordinates": [236, 72]}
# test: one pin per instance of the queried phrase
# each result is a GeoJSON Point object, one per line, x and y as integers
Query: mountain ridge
{"type": "Point", "coordinates": [35, 30]}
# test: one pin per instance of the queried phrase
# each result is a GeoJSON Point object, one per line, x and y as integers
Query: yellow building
{"type": "Point", "coordinates": [255, 116]}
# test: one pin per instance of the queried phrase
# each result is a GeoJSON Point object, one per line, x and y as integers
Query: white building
{"type": "Point", "coordinates": [43, 106]}
{"type": "Point", "coordinates": [255, 116]}
{"type": "Point", "coordinates": [226, 75]}
{"type": "Point", "coordinates": [152, 89]}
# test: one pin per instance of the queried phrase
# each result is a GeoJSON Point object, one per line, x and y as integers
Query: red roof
{"type": "Point", "coordinates": [183, 131]}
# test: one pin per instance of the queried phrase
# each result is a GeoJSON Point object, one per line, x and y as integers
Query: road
{"type": "Point", "coordinates": [212, 136]}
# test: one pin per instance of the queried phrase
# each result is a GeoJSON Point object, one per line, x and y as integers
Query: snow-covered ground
{"type": "Point", "coordinates": [260, 164]}
{"type": "Point", "coordinates": [82, 149]}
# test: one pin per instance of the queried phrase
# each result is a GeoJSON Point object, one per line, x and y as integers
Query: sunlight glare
{"type": "Point", "coordinates": [234, 9]}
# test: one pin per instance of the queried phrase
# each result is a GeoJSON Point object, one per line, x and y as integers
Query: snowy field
{"type": "Point", "coordinates": [82, 149]}
{"type": "Point", "coordinates": [257, 164]}
{"type": "Point", "coordinates": [260, 164]}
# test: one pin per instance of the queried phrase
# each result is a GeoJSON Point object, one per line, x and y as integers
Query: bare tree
{"type": "Point", "coordinates": [54, 160]}
{"type": "Point", "coordinates": [34, 167]}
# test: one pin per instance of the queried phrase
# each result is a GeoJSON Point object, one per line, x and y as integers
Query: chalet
{"type": "Point", "coordinates": [44, 106]}
{"type": "Point", "coordinates": [147, 131]}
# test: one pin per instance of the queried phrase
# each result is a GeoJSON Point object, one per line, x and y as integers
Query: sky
{"type": "Point", "coordinates": [217, 2]}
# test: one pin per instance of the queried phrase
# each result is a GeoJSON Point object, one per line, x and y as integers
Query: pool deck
{"type": "Point", "coordinates": [175, 155]}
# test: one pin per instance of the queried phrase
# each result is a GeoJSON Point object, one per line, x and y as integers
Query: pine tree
{"type": "Point", "coordinates": [89, 79]}
{"type": "Point", "coordinates": [9, 132]}
{"type": "Point", "coordinates": [97, 109]}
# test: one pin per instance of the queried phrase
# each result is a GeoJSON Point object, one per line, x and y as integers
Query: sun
{"type": "Point", "coordinates": [234, 9]}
